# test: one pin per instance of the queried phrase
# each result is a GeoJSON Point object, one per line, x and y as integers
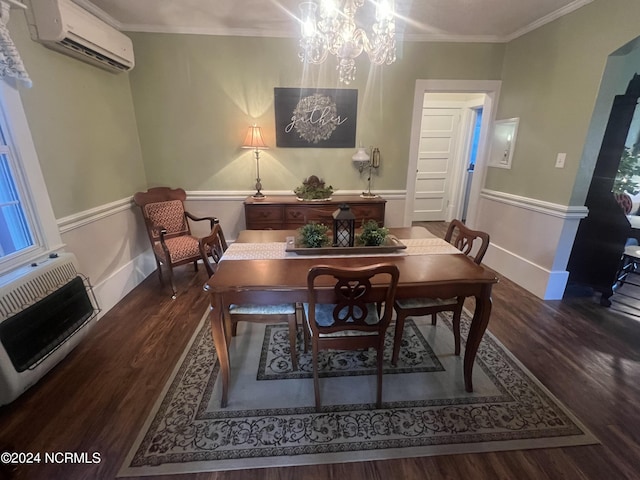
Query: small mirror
{"type": "Point", "coordinates": [503, 142]}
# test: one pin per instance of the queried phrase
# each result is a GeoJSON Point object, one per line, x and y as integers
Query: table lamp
{"type": "Point", "coordinates": [254, 140]}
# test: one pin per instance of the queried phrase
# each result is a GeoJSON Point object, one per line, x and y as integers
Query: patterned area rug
{"type": "Point", "coordinates": [271, 419]}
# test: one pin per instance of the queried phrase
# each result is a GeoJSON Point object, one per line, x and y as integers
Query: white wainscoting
{"type": "Point", "coordinates": [113, 250]}
{"type": "Point", "coordinates": [531, 240]}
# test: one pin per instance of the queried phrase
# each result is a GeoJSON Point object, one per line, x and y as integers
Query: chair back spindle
{"type": "Point", "coordinates": [467, 240]}
{"type": "Point", "coordinates": [212, 247]}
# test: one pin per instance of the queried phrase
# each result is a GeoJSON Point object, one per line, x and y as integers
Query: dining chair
{"type": "Point", "coordinates": [473, 243]}
{"type": "Point", "coordinates": [342, 313]}
{"type": "Point", "coordinates": [212, 248]}
{"type": "Point", "coordinates": [167, 224]}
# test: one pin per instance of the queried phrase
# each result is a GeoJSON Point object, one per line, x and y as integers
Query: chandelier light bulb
{"type": "Point", "coordinates": [335, 32]}
{"type": "Point", "coordinates": [308, 19]}
{"type": "Point", "coordinates": [384, 11]}
{"type": "Point", "coordinates": [329, 8]}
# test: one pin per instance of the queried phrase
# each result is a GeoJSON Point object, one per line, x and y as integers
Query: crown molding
{"type": "Point", "coordinates": [272, 33]}
{"type": "Point", "coordinates": [561, 12]}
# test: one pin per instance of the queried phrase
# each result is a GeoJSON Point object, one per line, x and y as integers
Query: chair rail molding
{"type": "Point", "coordinates": [531, 240]}
{"type": "Point", "coordinates": [518, 250]}
{"type": "Point", "coordinates": [536, 205]}
{"type": "Point", "coordinates": [125, 258]}
{"type": "Point", "coordinates": [91, 215]}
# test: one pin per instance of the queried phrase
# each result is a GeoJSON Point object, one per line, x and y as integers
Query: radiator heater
{"type": "Point", "coordinates": [46, 309]}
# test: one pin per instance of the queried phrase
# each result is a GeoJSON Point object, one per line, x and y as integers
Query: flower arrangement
{"type": "Point", "coordinates": [372, 235]}
{"type": "Point", "coordinates": [313, 188]}
{"type": "Point", "coordinates": [313, 235]}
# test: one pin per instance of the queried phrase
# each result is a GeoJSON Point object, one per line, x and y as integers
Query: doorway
{"type": "Point", "coordinates": [438, 181]}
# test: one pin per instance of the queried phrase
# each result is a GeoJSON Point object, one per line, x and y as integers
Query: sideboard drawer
{"type": "Point", "coordinates": [264, 217]}
{"type": "Point", "coordinates": [368, 212]}
{"type": "Point", "coordinates": [289, 213]}
{"type": "Point", "coordinates": [264, 213]}
{"type": "Point", "coordinates": [305, 214]}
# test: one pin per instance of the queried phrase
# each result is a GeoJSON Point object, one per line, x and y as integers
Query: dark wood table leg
{"type": "Point", "coordinates": [476, 331]}
{"type": "Point", "coordinates": [216, 316]}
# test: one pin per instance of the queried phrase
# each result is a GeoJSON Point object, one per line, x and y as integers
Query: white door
{"type": "Point", "coordinates": [436, 163]}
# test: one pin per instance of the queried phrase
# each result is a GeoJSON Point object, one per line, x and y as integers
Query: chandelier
{"type": "Point", "coordinates": [333, 30]}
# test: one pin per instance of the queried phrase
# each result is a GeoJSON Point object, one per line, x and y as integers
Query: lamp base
{"type": "Point", "coordinates": [258, 194]}
{"type": "Point", "coordinates": [368, 195]}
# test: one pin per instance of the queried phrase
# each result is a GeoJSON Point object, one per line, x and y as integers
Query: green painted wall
{"type": "Point", "coordinates": [551, 80]}
{"type": "Point", "coordinates": [83, 127]}
{"type": "Point", "coordinates": [195, 95]}
{"type": "Point", "coordinates": [180, 116]}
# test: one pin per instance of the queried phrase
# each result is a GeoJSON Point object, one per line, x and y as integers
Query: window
{"type": "Point", "coordinates": [28, 228]}
{"type": "Point", "coordinates": [15, 233]}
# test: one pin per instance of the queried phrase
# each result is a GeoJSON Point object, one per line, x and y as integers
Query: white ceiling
{"type": "Point", "coordinates": [444, 20]}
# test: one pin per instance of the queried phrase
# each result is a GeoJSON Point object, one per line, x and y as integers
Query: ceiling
{"type": "Point", "coordinates": [435, 20]}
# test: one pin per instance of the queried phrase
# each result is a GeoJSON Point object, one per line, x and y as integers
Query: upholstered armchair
{"type": "Point", "coordinates": [167, 224]}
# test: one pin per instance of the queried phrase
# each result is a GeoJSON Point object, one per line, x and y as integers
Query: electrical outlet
{"type": "Point", "coordinates": [560, 160]}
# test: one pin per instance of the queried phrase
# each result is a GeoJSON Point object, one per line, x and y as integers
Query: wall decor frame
{"type": "Point", "coordinates": [315, 117]}
{"type": "Point", "coordinates": [503, 142]}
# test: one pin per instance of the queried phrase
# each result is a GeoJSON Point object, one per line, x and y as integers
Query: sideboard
{"type": "Point", "coordinates": [289, 213]}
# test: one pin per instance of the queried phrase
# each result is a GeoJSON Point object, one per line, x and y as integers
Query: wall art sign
{"type": "Point", "coordinates": [315, 117]}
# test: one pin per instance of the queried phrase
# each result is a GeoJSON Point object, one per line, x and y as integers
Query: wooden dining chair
{"type": "Point", "coordinates": [342, 312]}
{"type": "Point", "coordinates": [167, 224]}
{"type": "Point", "coordinates": [212, 248]}
{"type": "Point", "coordinates": [473, 243]}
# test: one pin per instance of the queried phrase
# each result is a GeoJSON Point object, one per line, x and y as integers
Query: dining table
{"type": "Point", "coordinates": [259, 269]}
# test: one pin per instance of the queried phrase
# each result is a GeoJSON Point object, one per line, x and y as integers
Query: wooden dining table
{"type": "Point", "coordinates": [269, 281]}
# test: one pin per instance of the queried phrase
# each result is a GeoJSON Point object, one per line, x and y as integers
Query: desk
{"type": "Point", "coordinates": [284, 280]}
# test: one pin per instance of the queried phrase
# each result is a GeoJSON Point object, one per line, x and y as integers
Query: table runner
{"type": "Point", "coordinates": [277, 250]}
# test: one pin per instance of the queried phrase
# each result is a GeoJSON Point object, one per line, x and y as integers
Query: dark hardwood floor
{"type": "Point", "coordinates": [97, 399]}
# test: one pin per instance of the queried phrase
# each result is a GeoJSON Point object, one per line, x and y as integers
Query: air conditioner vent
{"type": "Point", "coordinates": [68, 28]}
{"type": "Point", "coordinates": [98, 57]}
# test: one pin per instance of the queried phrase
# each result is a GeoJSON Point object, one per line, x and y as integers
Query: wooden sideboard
{"type": "Point", "coordinates": [289, 213]}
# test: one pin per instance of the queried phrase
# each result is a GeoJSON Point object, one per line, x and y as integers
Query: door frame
{"type": "Point", "coordinates": [491, 89]}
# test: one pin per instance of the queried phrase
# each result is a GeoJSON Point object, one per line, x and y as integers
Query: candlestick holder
{"type": "Point", "coordinates": [372, 164]}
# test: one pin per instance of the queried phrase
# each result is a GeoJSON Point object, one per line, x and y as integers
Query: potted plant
{"type": "Point", "coordinates": [313, 235]}
{"type": "Point", "coordinates": [372, 235]}
{"type": "Point", "coordinates": [313, 188]}
{"type": "Point", "coordinates": [628, 172]}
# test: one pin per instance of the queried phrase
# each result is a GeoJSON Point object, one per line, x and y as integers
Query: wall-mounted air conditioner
{"type": "Point", "coordinates": [68, 28]}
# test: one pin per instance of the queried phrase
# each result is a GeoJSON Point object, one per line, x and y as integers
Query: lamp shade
{"type": "Point", "coordinates": [254, 139]}
{"type": "Point", "coordinates": [361, 156]}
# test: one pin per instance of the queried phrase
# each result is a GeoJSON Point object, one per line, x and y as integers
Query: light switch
{"type": "Point", "coordinates": [560, 160]}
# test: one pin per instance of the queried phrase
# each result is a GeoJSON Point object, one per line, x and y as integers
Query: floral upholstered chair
{"type": "Point", "coordinates": [167, 224]}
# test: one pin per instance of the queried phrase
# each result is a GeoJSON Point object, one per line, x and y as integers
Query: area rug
{"type": "Point", "coordinates": [271, 419]}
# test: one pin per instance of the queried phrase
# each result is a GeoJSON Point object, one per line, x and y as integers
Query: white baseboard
{"type": "Point", "coordinates": [531, 240]}
{"type": "Point", "coordinates": [114, 288]}
{"type": "Point", "coordinates": [545, 284]}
